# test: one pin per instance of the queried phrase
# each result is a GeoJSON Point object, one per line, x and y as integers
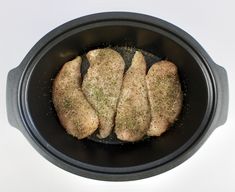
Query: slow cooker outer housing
{"type": "Point", "coordinates": [29, 107]}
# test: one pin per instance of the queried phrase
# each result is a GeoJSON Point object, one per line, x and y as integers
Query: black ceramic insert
{"type": "Point", "coordinates": [30, 108]}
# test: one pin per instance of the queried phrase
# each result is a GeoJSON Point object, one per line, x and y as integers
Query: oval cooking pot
{"type": "Point", "coordinates": [30, 109]}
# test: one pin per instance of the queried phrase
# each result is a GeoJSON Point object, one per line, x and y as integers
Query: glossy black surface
{"type": "Point", "coordinates": [125, 155]}
{"type": "Point", "coordinates": [30, 108]}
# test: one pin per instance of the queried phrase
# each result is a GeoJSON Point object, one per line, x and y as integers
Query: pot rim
{"type": "Point", "coordinates": [109, 173]}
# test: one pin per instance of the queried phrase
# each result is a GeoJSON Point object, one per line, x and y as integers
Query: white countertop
{"type": "Point", "coordinates": [211, 23]}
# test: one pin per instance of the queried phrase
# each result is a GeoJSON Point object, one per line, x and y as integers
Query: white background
{"type": "Point", "coordinates": [23, 23]}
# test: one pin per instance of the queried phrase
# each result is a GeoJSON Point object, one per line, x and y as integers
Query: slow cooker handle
{"type": "Point", "coordinates": [221, 78]}
{"type": "Point", "coordinates": [13, 79]}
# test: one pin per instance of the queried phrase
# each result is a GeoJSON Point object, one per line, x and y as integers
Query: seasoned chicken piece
{"type": "Point", "coordinates": [133, 111]}
{"type": "Point", "coordinates": [102, 85]}
{"type": "Point", "coordinates": [75, 113]}
{"type": "Point", "coordinates": [165, 96]}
